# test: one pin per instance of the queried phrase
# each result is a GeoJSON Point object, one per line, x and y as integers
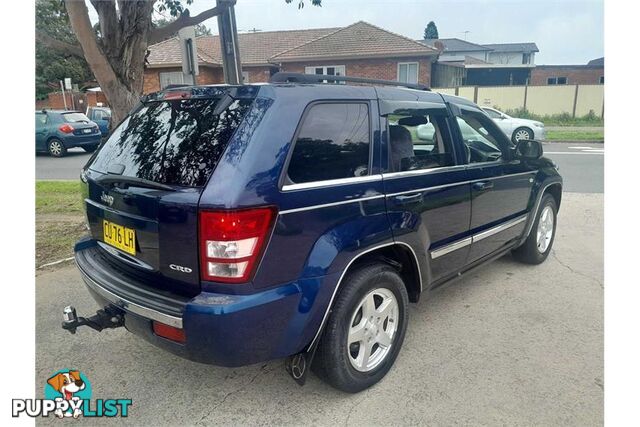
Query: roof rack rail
{"type": "Point", "coordinates": [284, 77]}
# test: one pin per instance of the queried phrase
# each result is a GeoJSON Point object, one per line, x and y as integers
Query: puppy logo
{"type": "Point", "coordinates": [67, 385]}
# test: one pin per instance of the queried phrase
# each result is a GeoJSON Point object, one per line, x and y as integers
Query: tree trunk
{"type": "Point", "coordinates": [118, 64]}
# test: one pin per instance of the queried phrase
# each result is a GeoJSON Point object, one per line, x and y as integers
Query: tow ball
{"type": "Point", "coordinates": [109, 317]}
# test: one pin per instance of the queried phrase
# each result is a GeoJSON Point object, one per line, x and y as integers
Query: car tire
{"type": "Point", "coordinates": [342, 362]}
{"type": "Point", "coordinates": [538, 245]}
{"type": "Point", "coordinates": [522, 133]}
{"type": "Point", "coordinates": [90, 148]}
{"type": "Point", "coordinates": [56, 148]}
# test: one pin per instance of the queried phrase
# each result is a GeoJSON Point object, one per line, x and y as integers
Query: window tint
{"type": "Point", "coordinates": [75, 118]}
{"type": "Point", "coordinates": [333, 143]}
{"type": "Point", "coordinates": [480, 136]}
{"type": "Point", "coordinates": [419, 140]}
{"type": "Point", "coordinates": [173, 142]}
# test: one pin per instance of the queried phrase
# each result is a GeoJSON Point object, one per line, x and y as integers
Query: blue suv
{"type": "Point", "coordinates": [297, 219]}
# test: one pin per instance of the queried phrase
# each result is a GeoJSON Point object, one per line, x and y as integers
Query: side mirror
{"type": "Point", "coordinates": [528, 149]}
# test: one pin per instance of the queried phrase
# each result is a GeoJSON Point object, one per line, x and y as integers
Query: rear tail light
{"type": "Point", "coordinates": [66, 128]}
{"type": "Point", "coordinates": [231, 243]}
{"type": "Point", "coordinates": [169, 332]}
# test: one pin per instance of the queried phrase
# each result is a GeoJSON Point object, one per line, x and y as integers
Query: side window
{"type": "Point", "coordinates": [492, 113]}
{"type": "Point", "coordinates": [419, 139]}
{"type": "Point", "coordinates": [480, 136]}
{"type": "Point", "coordinates": [333, 143]}
{"type": "Point", "coordinates": [41, 120]}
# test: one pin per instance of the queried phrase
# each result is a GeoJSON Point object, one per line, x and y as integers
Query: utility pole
{"type": "Point", "coordinates": [465, 33]}
{"type": "Point", "coordinates": [229, 43]}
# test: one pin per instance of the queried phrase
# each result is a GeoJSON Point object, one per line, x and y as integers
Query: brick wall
{"type": "Point", "coordinates": [576, 75]}
{"type": "Point", "coordinates": [207, 76]}
{"type": "Point", "coordinates": [384, 69]}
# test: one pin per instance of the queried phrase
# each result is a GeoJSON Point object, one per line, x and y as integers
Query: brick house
{"type": "Point", "coordinates": [359, 50]}
{"type": "Point", "coordinates": [591, 73]}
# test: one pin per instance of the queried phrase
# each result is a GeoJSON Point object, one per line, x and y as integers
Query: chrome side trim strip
{"type": "Point", "coordinates": [331, 182]}
{"type": "Point", "coordinates": [429, 171]}
{"type": "Point", "coordinates": [459, 244]}
{"type": "Point", "coordinates": [453, 184]}
{"type": "Point", "coordinates": [497, 229]}
{"type": "Point", "coordinates": [335, 291]}
{"type": "Point", "coordinates": [127, 305]}
{"type": "Point", "coordinates": [343, 202]}
{"type": "Point", "coordinates": [451, 247]}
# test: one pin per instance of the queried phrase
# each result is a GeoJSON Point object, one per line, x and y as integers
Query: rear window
{"type": "Point", "coordinates": [75, 117]}
{"type": "Point", "coordinates": [173, 142]}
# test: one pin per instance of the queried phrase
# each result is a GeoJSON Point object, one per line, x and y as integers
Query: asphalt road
{"type": "Point", "coordinates": [581, 165]}
{"type": "Point", "coordinates": [509, 344]}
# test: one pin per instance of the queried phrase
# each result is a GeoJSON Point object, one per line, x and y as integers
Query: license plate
{"type": "Point", "coordinates": [120, 237]}
{"type": "Point", "coordinates": [86, 130]}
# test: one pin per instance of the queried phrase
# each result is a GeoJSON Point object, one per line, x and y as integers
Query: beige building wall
{"type": "Point", "coordinates": [548, 100]}
{"type": "Point", "coordinates": [502, 97]}
{"type": "Point", "coordinates": [590, 98]}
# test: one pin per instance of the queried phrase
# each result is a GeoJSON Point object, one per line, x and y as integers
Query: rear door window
{"type": "Point", "coordinates": [333, 143]}
{"type": "Point", "coordinates": [177, 142]}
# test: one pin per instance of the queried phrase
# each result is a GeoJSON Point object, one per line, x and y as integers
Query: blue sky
{"type": "Point", "coordinates": [566, 32]}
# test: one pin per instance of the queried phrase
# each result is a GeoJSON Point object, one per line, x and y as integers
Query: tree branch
{"type": "Point", "coordinates": [158, 34]}
{"type": "Point", "coordinates": [60, 46]}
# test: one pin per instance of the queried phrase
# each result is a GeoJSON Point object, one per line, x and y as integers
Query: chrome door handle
{"type": "Point", "coordinates": [482, 186]}
{"type": "Point", "coordinates": [409, 199]}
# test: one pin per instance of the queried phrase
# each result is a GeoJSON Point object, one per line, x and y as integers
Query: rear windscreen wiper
{"type": "Point", "coordinates": [132, 181]}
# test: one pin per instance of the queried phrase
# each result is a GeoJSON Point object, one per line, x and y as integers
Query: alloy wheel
{"type": "Point", "coordinates": [55, 148]}
{"type": "Point", "coordinates": [372, 329]}
{"type": "Point", "coordinates": [522, 134]}
{"type": "Point", "coordinates": [545, 229]}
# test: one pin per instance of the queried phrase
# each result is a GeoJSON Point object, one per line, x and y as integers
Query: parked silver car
{"type": "Point", "coordinates": [515, 128]}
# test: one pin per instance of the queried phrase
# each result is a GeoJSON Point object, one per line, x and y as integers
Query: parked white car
{"type": "Point", "coordinates": [517, 129]}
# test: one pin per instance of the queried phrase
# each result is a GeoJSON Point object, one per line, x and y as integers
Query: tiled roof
{"type": "Point", "coordinates": [597, 61]}
{"type": "Point", "coordinates": [455, 45]}
{"type": "Point", "coordinates": [513, 47]}
{"type": "Point", "coordinates": [357, 40]}
{"type": "Point", "coordinates": [255, 48]}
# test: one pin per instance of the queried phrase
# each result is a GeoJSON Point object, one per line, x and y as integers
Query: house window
{"type": "Point", "coordinates": [601, 80]}
{"type": "Point", "coordinates": [526, 58]}
{"type": "Point", "coordinates": [245, 77]}
{"type": "Point", "coordinates": [171, 78]}
{"type": "Point", "coordinates": [557, 81]}
{"type": "Point", "coordinates": [329, 70]}
{"type": "Point", "coordinates": [408, 72]}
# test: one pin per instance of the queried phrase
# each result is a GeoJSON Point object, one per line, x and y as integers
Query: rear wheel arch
{"type": "Point", "coordinates": [402, 258]}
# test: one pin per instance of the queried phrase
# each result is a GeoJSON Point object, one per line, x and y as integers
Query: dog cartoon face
{"type": "Point", "coordinates": [67, 383]}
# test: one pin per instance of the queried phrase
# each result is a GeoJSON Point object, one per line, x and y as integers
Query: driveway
{"type": "Point", "coordinates": [508, 344]}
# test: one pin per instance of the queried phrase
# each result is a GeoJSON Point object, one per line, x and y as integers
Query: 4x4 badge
{"type": "Point", "coordinates": [107, 199]}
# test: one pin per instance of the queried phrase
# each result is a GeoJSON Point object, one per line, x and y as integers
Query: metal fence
{"type": "Point", "coordinates": [575, 100]}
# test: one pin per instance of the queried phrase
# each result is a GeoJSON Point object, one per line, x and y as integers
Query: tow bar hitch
{"type": "Point", "coordinates": [109, 317]}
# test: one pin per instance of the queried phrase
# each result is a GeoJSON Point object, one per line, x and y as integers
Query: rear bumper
{"type": "Point", "coordinates": [82, 140]}
{"type": "Point", "coordinates": [220, 329]}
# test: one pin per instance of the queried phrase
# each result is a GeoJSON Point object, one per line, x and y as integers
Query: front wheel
{"type": "Point", "coordinates": [536, 248]}
{"type": "Point", "coordinates": [366, 329]}
{"type": "Point", "coordinates": [56, 148]}
{"type": "Point", "coordinates": [522, 134]}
